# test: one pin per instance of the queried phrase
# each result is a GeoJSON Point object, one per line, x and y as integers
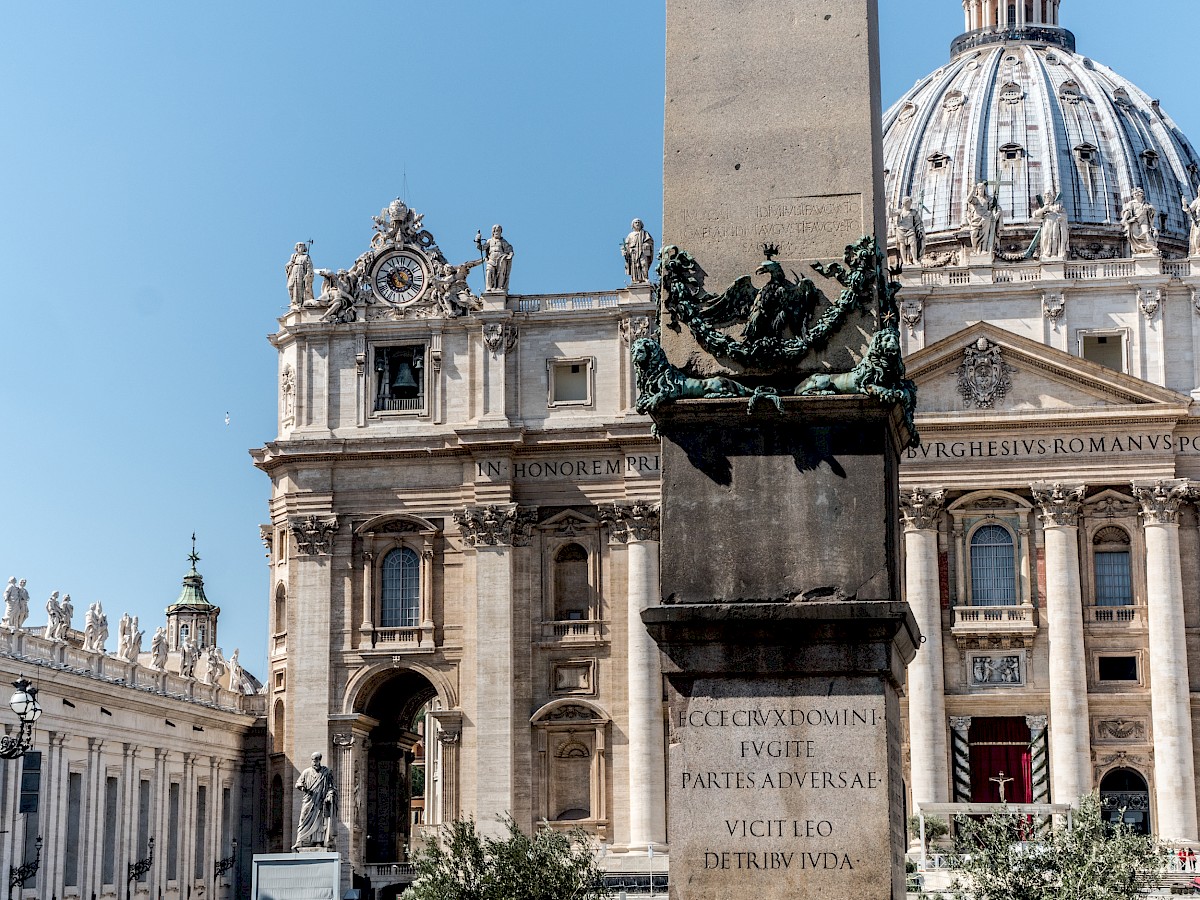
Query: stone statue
{"type": "Point", "coordinates": [315, 828]}
{"type": "Point", "coordinates": [299, 271]}
{"type": "Point", "coordinates": [123, 625]}
{"type": "Point", "coordinates": [397, 224]}
{"type": "Point", "coordinates": [238, 682]}
{"type": "Point", "coordinates": [910, 235]}
{"type": "Point", "coordinates": [1055, 237]}
{"type": "Point", "coordinates": [53, 617]}
{"type": "Point", "coordinates": [67, 614]}
{"type": "Point", "coordinates": [132, 648]}
{"type": "Point", "coordinates": [638, 250]}
{"type": "Point", "coordinates": [16, 604]}
{"type": "Point", "coordinates": [984, 217]}
{"type": "Point", "coordinates": [1192, 210]}
{"type": "Point", "coordinates": [499, 254]}
{"type": "Point", "coordinates": [95, 628]}
{"type": "Point", "coordinates": [189, 655]}
{"type": "Point", "coordinates": [338, 292]}
{"type": "Point", "coordinates": [451, 292]}
{"type": "Point", "coordinates": [158, 649]}
{"type": "Point", "coordinates": [1139, 218]}
{"type": "Point", "coordinates": [216, 667]}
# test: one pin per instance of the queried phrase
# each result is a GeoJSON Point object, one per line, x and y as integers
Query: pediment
{"type": "Point", "coordinates": [568, 523]}
{"type": "Point", "coordinates": [986, 369]}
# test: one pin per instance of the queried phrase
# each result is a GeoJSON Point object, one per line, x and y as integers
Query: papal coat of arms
{"type": "Point", "coordinates": [983, 378]}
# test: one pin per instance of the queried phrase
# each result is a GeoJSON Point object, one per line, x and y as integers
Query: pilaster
{"type": "Point", "coordinates": [1070, 745]}
{"type": "Point", "coordinates": [929, 778]}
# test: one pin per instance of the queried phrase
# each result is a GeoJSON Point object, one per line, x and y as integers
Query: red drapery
{"type": "Point", "coordinates": [1000, 744]}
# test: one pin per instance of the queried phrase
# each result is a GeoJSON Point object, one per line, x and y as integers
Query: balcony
{"type": "Point", "coordinates": [1120, 616]}
{"type": "Point", "coordinates": [385, 874]}
{"type": "Point", "coordinates": [1000, 626]}
{"type": "Point", "coordinates": [574, 631]}
{"type": "Point", "coordinates": [415, 638]}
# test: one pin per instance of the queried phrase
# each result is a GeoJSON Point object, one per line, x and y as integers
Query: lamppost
{"type": "Point", "coordinates": [24, 703]}
{"type": "Point", "coordinates": [221, 866]}
{"type": "Point", "coordinates": [139, 868]}
{"type": "Point", "coordinates": [18, 875]}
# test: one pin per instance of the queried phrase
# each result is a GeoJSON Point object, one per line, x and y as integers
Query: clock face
{"type": "Point", "coordinates": [399, 277]}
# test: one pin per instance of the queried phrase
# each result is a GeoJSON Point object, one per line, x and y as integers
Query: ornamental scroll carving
{"type": "Point", "coordinates": [1121, 729]}
{"type": "Point", "coordinates": [313, 534]}
{"type": "Point", "coordinates": [1160, 500]}
{"type": "Point", "coordinates": [571, 712]}
{"type": "Point", "coordinates": [631, 522]}
{"type": "Point", "coordinates": [1059, 504]}
{"type": "Point", "coordinates": [499, 338]}
{"type": "Point", "coordinates": [984, 377]}
{"type": "Point", "coordinates": [919, 508]}
{"type": "Point", "coordinates": [496, 526]}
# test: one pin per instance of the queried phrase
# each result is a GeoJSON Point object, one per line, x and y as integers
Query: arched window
{"type": "Point", "coordinates": [203, 633]}
{"type": "Point", "coordinates": [1125, 798]}
{"type": "Point", "coordinates": [572, 587]}
{"type": "Point", "coordinates": [400, 605]}
{"type": "Point", "coordinates": [184, 633]}
{"type": "Point", "coordinates": [277, 741]}
{"type": "Point", "coordinates": [280, 609]}
{"type": "Point", "coordinates": [1111, 566]}
{"type": "Point", "coordinates": [993, 567]}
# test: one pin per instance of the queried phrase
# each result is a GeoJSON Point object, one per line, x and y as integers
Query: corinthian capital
{"type": "Point", "coordinates": [919, 508]}
{"type": "Point", "coordinates": [1059, 503]}
{"type": "Point", "coordinates": [313, 534]}
{"type": "Point", "coordinates": [630, 522]}
{"type": "Point", "coordinates": [496, 526]}
{"type": "Point", "coordinates": [1160, 500]}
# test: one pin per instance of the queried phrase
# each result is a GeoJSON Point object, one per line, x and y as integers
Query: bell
{"type": "Point", "coordinates": [404, 385]}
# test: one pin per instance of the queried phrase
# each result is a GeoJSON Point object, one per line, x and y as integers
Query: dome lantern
{"type": "Point", "coordinates": [990, 21]}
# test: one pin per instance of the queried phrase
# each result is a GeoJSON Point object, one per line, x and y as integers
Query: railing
{"type": "Point", "coordinates": [410, 404]}
{"type": "Point", "coordinates": [994, 619]}
{"type": "Point", "coordinates": [959, 277]}
{"type": "Point", "coordinates": [1076, 271]}
{"type": "Point", "coordinates": [408, 637]}
{"type": "Point", "coordinates": [391, 873]}
{"type": "Point", "coordinates": [1115, 615]}
{"type": "Point", "coordinates": [565, 302]}
{"type": "Point", "coordinates": [1177, 268]}
{"type": "Point", "coordinates": [1007, 276]}
{"type": "Point", "coordinates": [583, 629]}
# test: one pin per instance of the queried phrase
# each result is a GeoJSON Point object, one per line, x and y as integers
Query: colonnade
{"type": "Point", "coordinates": [994, 13]}
{"type": "Point", "coordinates": [1070, 754]}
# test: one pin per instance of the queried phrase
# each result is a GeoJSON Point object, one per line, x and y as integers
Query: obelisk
{"type": "Point", "coordinates": [783, 636]}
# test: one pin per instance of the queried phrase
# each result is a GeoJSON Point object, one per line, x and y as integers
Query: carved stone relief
{"type": "Point", "coordinates": [1053, 304]}
{"type": "Point", "coordinates": [496, 526]}
{"type": "Point", "coordinates": [1120, 729]}
{"type": "Point", "coordinates": [984, 377]}
{"type": "Point", "coordinates": [499, 338]}
{"type": "Point", "coordinates": [634, 327]}
{"type": "Point", "coordinates": [993, 670]}
{"type": "Point", "coordinates": [910, 313]}
{"type": "Point", "coordinates": [637, 521]}
{"type": "Point", "coordinates": [1059, 504]}
{"type": "Point", "coordinates": [1160, 500]}
{"type": "Point", "coordinates": [577, 676]}
{"type": "Point", "coordinates": [919, 507]}
{"type": "Point", "coordinates": [313, 534]}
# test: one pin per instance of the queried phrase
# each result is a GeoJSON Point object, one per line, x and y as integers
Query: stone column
{"type": "Point", "coordinates": [637, 527]}
{"type": "Point", "coordinates": [343, 769]}
{"type": "Point", "coordinates": [1070, 745]}
{"type": "Point", "coordinates": [1037, 749]}
{"type": "Point", "coordinates": [310, 589]}
{"type": "Point", "coordinates": [960, 727]}
{"type": "Point", "coordinates": [929, 778]}
{"type": "Point", "coordinates": [490, 533]}
{"type": "Point", "coordinates": [1174, 771]}
{"type": "Point", "coordinates": [449, 731]}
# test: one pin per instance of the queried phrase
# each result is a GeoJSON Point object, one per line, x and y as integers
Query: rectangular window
{"type": "Point", "coordinates": [1107, 350]}
{"type": "Point", "coordinates": [173, 832]}
{"type": "Point", "coordinates": [1114, 586]}
{"type": "Point", "coordinates": [570, 382]}
{"type": "Point", "coordinates": [74, 815]}
{"type": "Point", "coordinates": [400, 378]}
{"type": "Point", "coordinates": [226, 837]}
{"type": "Point", "coordinates": [108, 863]}
{"type": "Point", "coordinates": [1118, 668]}
{"type": "Point", "coordinates": [201, 821]}
{"type": "Point", "coordinates": [31, 781]}
{"type": "Point", "coordinates": [143, 835]}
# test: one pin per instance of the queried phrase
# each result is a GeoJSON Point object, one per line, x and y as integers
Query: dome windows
{"type": "Point", "coordinates": [1012, 93]}
{"type": "Point", "coordinates": [1122, 99]}
{"type": "Point", "coordinates": [907, 111]}
{"type": "Point", "coordinates": [1012, 153]}
{"type": "Point", "coordinates": [938, 162]}
{"type": "Point", "coordinates": [1070, 92]}
{"type": "Point", "coordinates": [1150, 159]}
{"type": "Point", "coordinates": [1088, 154]}
{"type": "Point", "coordinates": [954, 101]}
{"type": "Point", "coordinates": [1053, 60]}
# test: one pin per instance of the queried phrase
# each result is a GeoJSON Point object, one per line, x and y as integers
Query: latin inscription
{"type": "Point", "coordinates": [759, 763]}
{"type": "Point", "coordinates": [1084, 445]}
{"type": "Point", "coordinates": [498, 470]}
{"type": "Point", "coordinates": [804, 227]}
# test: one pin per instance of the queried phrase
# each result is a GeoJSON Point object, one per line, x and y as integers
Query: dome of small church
{"type": "Point", "coordinates": [1017, 106]}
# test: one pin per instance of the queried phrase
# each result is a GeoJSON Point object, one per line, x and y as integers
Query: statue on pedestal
{"type": "Point", "coordinates": [216, 667]}
{"type": "Point", "coordinates": [1138, 217]}
{"type": "Point", "coordinates": [315, 828]}
{"type": "Point", "coordinates": [499, 255]}
{"type": "Point", "coordinates": [983, 218]}
{"type": "Point", "coordinates": [95, 628]}
{"type": "Point", "coordinates": [1192, 210]}
{"type": "Point", "coordinates": [16, 604]}
{"type": "Point", "coordinates": [910, 233]}
{"type": "Point", "coordinates": [1054, 237]}
{"type": "Point", "coordinates": [53, 617]}
{"type": "Point", "coordinates": [638, 250]}
{"type": "Point", "coordinates": [158, 649]}
{"type": "Point", "coordinates": [67, 613]}
{"type": "Point", "coordinates": [189, 655]}
{"type": "Point", "coordinates": [299, 271]}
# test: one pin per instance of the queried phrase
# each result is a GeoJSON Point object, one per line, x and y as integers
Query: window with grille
{"type": "Point", "coordinates": [1111, 567]}
{"type": "Point", "coordinates": [401, 600]}
{"type": "Point", "coordinates": [993, 567]}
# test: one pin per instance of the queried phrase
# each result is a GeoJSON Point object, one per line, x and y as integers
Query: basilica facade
{"type": "Point", "coordinates": [463, 514]}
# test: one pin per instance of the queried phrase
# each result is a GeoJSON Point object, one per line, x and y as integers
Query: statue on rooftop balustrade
{"type": "Point", "coordinates": [1139, 217]}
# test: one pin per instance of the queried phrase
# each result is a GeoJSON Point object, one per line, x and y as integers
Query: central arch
{"type": "Point", "coordinates": [395, 783]}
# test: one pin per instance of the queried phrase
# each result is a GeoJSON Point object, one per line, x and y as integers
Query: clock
{"type": "Point", "coordinates": [399, 277]}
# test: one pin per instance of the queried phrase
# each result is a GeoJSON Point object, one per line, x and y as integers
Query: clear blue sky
{"type": "Point", "coordinates": [159, 160]}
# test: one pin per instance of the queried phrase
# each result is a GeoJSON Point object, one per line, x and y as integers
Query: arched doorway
{"type": "Point", "coordinates": [395, 764]}
{"type": "Point", "coordinates": [1125, 797]}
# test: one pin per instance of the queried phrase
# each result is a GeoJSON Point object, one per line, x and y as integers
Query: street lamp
{"type": "Point", "coordinates": [18, 875]}
{"type": "Point", "coordinates": [24, 703]}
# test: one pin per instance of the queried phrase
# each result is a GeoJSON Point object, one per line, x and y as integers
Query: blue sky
{"type": "Point", "coordinates": [159, 160]}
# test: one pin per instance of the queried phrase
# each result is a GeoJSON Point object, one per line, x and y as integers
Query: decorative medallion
{"type": "Point", "coordinates": [910, 313]}
{"type": "Point", "coordinates": [499, 338]}
{"type": "Point", "coordinates": [984, 376]}
{"type": "Point", "coordinates": [1053, 304]}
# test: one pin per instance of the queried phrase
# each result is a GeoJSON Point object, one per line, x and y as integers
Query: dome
{"type": "Point", "coordinates": [1018, 107]}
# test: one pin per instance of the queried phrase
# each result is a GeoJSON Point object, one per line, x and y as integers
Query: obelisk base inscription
{"type": "Point", "coordinates": [783, 756]}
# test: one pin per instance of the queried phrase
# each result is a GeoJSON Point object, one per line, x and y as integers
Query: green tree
{"type": "Point", "coordinates": [549, 865]}
{"type": "Point", "coordinates": [1002, 860]}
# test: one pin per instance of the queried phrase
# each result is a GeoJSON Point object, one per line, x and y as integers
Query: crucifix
{"type": "Point", "coordinates": [1001, 781]}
